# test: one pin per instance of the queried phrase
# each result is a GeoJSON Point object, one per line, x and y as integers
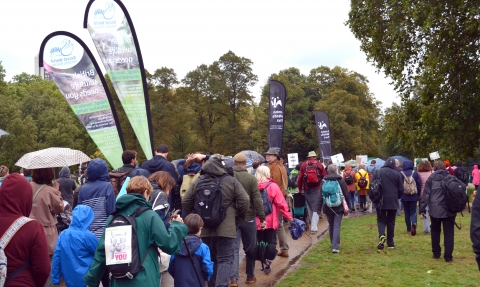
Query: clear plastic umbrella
{"type": "Point", "coordinates": [52, 157]}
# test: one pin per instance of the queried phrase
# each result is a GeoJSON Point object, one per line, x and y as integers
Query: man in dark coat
{"type": "Point", "coordinates": [392, 191]}
{"type": "Point", "coordinates": [475, 229]}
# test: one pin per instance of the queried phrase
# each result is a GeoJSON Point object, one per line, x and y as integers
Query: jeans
{"type": "Point", "coordinates": [386, 219]}
{"type": "Point", "coordinates": [400, 207]}
{"type": "Point", "coordinates": [352, 200]}
{"type": "Point", "coordinates": [246, 231]}
{"type": "Point", "coordinates": [448, 236]}
{"type": "Point", "coordinates": [363, 202]}
{"type": "Point", "coordinates": [410, 210]}
{"type": "Point", "coordinates": [334, 223]}
{"type": "Point", "coordinates": [221, 252]}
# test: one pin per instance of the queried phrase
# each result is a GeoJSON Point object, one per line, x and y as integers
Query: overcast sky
{"type": "Point", "coordinates": [184, 34]}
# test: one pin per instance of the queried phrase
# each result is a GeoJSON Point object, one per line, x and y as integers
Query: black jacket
{"type": "Point", "coordinates": [343, 186]}
{"type": "Point", "coordinates": [475, 229]}
{"type": "Point", "coordinates": [392, 184]}
{"type": "Point", "coordinates": [433, 196]}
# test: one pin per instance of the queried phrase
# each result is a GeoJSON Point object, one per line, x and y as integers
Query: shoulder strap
{"type": "Point", "coordinates": [38, 190]}
{"type": "Point", "coordinates": [404, 175]}
{"type": "Point", "coordinates": [281, 175]}
{"type": "Point", "coordinates": [268, 184]}
{"type": "Point", "coordinates": [16, 225]}
{"type": "Point", "coordinates": [155, 201]}
{"type": "Point", "coordinates": [139, 210]}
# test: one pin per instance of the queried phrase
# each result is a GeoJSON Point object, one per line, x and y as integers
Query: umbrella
{"type": "Point", "coordinates": [52, 157]}
{"type": "Point", "coordinates": [253, 155]}
{"type": "Point", "coordinates": [351, 162]}
{"type": "Point", "coordinates": [379, 164]}
{"type": "Point", "coordinates": [400, 158]}
{"type": "Point", "coordinates": [3, 133]}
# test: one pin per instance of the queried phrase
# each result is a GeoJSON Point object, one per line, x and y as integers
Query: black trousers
{"type": "Point", "coordinates": [448, 236]}
{"type": "Point", "coordinates": [386, 219]}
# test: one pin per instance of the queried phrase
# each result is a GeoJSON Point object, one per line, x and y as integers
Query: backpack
{"type": "Point", "coordinates": [363, 181]}
{"type": "Point", "coordinates": [208, 201]}
{"type": "Point", "coordinates": [121, 246]}
{"type": "Point", "coordinates": [455, 193]}
{"type": "Point", "coordinates": [349, 178]}
{"type": "Point", "coordinates": [267, 203]}
{"type": "Point", "coordinates": [6, 237]}
{"type": "Point", "coordinates": [375, 191]}
{"type": "Point", "coordinates": [186, 182]}
{"type": "Point", "coordinates": [117, 178]}
{"type": "Point", "coordinates": [312, 176]}
{"type": "Point", "coordinates": [331, 193]}
{"type": "Point", "coordinates": [461, 174]}
{"type": "Point", "coordinates": [409, 184]}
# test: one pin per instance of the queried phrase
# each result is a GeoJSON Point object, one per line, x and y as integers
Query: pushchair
{"type": "Point", "coordinates": [300, 209]}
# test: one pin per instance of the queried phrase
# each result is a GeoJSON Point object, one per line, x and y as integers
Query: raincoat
{"type": "Point", "coordinates": [67, 185]}
{"type": "Point", "coordinates": [75, 249]}
{"type": "Point", "coordinates": [278, 204]}
{"type": "Point", "coordinates": [150, 231]}
{"type": "Point", "coordinates": [475, 175]}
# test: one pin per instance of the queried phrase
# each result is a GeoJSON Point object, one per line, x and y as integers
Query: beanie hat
{"type": "Point", "coordinates": [446, 162]}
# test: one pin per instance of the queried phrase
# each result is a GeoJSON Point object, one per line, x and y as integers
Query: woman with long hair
{"type": "Point", "coordinates": [162, 183]}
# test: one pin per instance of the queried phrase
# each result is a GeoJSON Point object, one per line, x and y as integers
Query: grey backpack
{"type": "Point", "coordinates": [16, 225]}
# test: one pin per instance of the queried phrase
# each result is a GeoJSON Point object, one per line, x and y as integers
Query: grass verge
{"type": "Point", "coordinates": [410, 264]}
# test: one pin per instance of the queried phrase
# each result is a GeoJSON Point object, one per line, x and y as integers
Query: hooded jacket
{"type": "Point", "coordinates": [407, 167]}
{"type": "Point", "coordinates": [234, 196]}
{"type": "Point", "coordinates": [392, 184]}
{"type": "Point", "coordinates": [75, 249]}
{"type": "Point", "coordinates": [362, 173]}
{"type": "Point", "coordinates": [30, 242]}
{"type": "Point", "coordinates": [475, 175]}
{"type": "Point", "coordinates": [98, 194]}
{"type": "Point", "coordinates": [160, 205]}
{"type": "Point", "coordinates": [332, 210]}
{"type": "Point", "coordinates": [159, 163]}
{"type": "Point", "coordinates": [181, 267]}
{"type": "Point", "coordinates": [475, 230]}
{"type": "Point", "coordinates": [150, 232]}
{"type": "Point", "coordinates": [348, 170]}
{"type": "Point", "coordinates": [250, 183]}
{"type": "Point", "coordinates": [279, 204]}
{"type": "Point", "coordinates": [67, 185]}
{"type": "Point", "coordinates": [433, 196]}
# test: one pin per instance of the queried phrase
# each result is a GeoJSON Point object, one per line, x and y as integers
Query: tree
{"type": "Point", "coordinates": [430, 47]}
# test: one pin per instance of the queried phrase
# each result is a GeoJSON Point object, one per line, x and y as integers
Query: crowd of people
{"type": "Point", "coordinates": [89, 232]}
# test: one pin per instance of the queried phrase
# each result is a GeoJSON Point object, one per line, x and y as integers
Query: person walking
{"type": "Point", "coordinates": [475, 230]}
{"type": "Point", "coordinates": [392, 191]}
{"type": "Point", "coordinates": [246, 231]}
{"type": "Point", "coordinates": [434, 198]}
{"type": "Point", "coordinates": [409, 200]}
{"type": "Point", "coordinates": [27, 250]}
{"type": "Point", "coordinates": [309, 179]}
{"type": "Point", "coordinates": [363, 185]}
{"type": "Point", "coordinates": [475, 176]}
{"type": "Point", "coordinates": [349, 178]}
{"type": "Point", "coordinates": [424, 169]}
{"type": "Point", "coordinates": [334, 214]}
{"type": "Point", "coordinates": [66, 185]}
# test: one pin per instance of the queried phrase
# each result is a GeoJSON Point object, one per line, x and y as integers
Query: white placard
{"type": "Point", "coordinates": [337, 158]}
{"type": "Point", "coordinates": [361, 159]}
{"type": "Point", "coordinates": [292, 160]}
{"type": "Point", "coordinates": [118, 244]}
{"type": "Point", "coordinates": [434, 155]}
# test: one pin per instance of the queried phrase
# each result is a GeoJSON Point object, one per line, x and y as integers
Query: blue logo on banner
{"type": "Point", "coordinates": [65, 50]}
{"type": "Point", "coordinates": [107, 13]}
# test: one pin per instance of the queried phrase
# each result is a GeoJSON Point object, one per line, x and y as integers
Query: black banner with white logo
{"type": "Point", "coordinates": [278, 94]}
{"type": "Point", "coordinates": [323, 130]}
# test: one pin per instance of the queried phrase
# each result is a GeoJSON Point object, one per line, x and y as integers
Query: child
{"type": "Point", "coordinates": [181, 267]}
{"type": "Point", "coordinates": [75, 249]}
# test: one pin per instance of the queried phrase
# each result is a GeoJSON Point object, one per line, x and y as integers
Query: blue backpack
{"type": "Point", "coordinates": [331, 193]}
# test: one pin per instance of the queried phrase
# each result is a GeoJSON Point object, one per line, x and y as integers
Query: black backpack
{"type": "Point", "coordinates": [117, 245]}
{"type": "Point", "coordinates": [208, 200]}
{"type": "Point", "coordinates": [267, 203]}
{"type": "Point", "coordinates": [461, 174]}
{"type": "Point", "coordinates": [348, 178]}
{"type": "Point", "coordinates": [375, 192]}
{"type": "Point", "coordinates": [455, 194]}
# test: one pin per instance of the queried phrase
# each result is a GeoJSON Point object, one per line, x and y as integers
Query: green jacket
{"type": "Point", "coordinates": [150, 231]}
{"type": "Point", "coordinates": [233, 192]}
{"type": "Point", "coordinates": [250, 183]}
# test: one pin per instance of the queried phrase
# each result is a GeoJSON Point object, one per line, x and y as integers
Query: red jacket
{"type": "Point", "coordinates": [301, 183]}
{"type": "Point", "coordinates": [30, 241]}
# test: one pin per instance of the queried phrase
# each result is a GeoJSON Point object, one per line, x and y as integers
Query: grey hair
{"type": "Point", "coordinates": [332, 169]}
{"type": "Point", "coordinates": [262, 173]}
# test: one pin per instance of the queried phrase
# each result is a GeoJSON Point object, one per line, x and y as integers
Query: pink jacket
{"type": "Point", "coordinates": [475, 175]}
{"type": "Point", "coordinates": [423, 178]}
{"type": "Point", "coordinates": [278, 204]}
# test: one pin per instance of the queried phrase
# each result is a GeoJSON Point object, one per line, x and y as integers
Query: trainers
{"type": "Point", "coordinates": [392, 247]}
{"type": "Point", "coordinates": [282, 254]}
{"type": "Point", "coordinates": [414, 229]}
{"type": "Point", "coordinates": [313, 231]}
{"type": "Point", "coordinates": [335, 251]}
{"type": "Point", "coordinates": [233, 283]}
{"type": "Point", "coordinates": [251, 280]}
{"type": "Point", "coordinates": [381, 242]}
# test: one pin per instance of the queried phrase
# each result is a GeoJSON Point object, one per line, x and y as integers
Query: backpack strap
{"type": "Point", "coordinates": [14, 227]}
{"type": "Point", "coordinates": [38, 191]}
{"type": "Point", "coordinates": [285, 186]}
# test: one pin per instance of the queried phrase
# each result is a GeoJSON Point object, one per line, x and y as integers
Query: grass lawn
{"type": "Point", "coordinates": [410, 264]}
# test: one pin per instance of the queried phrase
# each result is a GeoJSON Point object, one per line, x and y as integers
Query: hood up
{"type": "Point", "coordinates": [214, 166]}
{"type": "Point", "coordinates": [97, 170]}
{"type": "Point", "coordinates": [407, 165]}
{"type": "Point", "coordinates": [65, 172]}
{"type": "Point", "coordinates": [390, 162]}
{"type": "Point", "coordinates": [82, 217]}
{"type": "Point", "coordinates": [16, 195]}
